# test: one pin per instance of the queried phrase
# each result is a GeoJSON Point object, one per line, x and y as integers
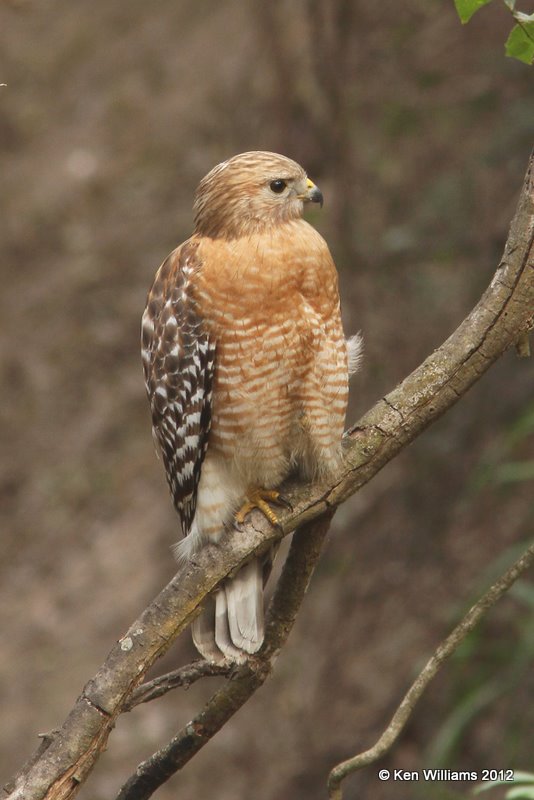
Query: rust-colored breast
{"type": "Point", "coordinates": [270, 302]}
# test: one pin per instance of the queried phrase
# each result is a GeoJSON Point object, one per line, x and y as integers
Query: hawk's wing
{"type": "Point", "coordinates": [179, 361]}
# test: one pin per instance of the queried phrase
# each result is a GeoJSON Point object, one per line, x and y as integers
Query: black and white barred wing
{"type": "Point", "coordinates": [178, 361]}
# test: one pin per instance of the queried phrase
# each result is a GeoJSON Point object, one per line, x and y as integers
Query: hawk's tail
{"type": "Point", "coordinates": [231, 625]}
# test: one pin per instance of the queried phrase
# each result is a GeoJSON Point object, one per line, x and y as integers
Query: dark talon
{"type": "Point", "coordinates": [282, 500]}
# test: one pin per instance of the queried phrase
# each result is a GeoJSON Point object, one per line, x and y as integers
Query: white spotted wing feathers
{"type": "Point", "coordinates": [178, 361]}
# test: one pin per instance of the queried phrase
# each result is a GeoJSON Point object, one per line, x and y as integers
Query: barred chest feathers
{"type": "Point", "coordinates": [281, 383]}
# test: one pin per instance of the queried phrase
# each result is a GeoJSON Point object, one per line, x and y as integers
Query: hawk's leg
{"type": "Point", "coordinates": [257, 498]}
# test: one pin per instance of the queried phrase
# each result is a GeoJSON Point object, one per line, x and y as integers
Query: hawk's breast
{"type": "Point", "coordinates": [271, 305]}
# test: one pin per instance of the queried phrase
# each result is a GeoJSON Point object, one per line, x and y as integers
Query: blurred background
{"type": "Point", "coordinates": [418, 132]}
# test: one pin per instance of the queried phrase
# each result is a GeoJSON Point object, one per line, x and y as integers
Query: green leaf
{"type": "Point", "coordinates": [520, 43]}
{"type": "Point", "coordinates": [466, 8]}
{"type": "Point", "coordinates": [523, 777]}
{"type": "Point", "coordinates": [520, 793]}
{"type": "Point", "coordinates": [487, 785]}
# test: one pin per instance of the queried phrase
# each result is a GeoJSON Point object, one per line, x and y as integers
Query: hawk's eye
{"type": "Point", "coordinates": [278, 186]}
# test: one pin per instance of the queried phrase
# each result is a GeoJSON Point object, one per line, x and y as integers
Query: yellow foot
{"type": "Point", "coordinates": [257, 498]}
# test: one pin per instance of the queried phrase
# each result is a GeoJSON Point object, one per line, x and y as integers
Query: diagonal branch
{"type": "Point", "coordinates": [501, 318]}
{"type": "Point", "coordinates": [431, 668]}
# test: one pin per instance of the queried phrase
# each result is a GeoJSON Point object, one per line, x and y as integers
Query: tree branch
{"type": "Point", "coordinates": [431, 668]}
{"type": "Point", "coordinates": [185, 676]}
{"type": "Point", "coordinates": [501, 318]}
{"type": "Point", "coordinates": [297, 572]}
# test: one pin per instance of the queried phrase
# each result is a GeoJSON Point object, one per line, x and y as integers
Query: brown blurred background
{"type": "Point", "coordinates": [418, 132]}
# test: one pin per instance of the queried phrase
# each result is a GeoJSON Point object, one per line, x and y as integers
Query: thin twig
{"type": "Point", "coordinates": [442, 652]}
{"type": "Point", "coordinates": [184, 676]}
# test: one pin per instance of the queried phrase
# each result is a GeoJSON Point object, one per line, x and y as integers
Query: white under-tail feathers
{"type": "Point", "coordinates": [231, 623]}
{"type": "Point", "coordinates": [244, 599]}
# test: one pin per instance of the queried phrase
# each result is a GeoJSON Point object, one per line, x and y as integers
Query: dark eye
{"type": "Point", "coordinates": [277, 186]}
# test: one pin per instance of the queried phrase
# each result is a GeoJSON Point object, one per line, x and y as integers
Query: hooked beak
{"type": "Point", "coordinates": [312, 193]}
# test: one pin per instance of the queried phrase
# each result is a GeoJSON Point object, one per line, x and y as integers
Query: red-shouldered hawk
{"type": "Point", "coordinates": [246, 369]}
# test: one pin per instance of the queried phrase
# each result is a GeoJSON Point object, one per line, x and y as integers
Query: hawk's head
{"type": "Point", "coordinates": [251, 192]}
